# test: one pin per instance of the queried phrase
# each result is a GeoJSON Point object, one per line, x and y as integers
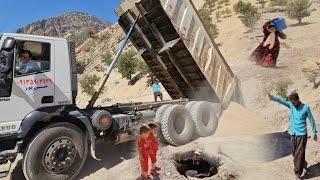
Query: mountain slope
{"type": "Point", "coordinates": [76, 26]}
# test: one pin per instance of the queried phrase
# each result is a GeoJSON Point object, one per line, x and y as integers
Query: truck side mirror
{"type": "Point", "coordinates": [8, 44]}
{"type": "Point", "coordinates": [6, 57]}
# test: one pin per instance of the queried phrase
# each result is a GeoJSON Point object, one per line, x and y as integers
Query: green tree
{"type": "Point", "coordinates": [128, 64]}
{"type": "Point", "coordinates": [143, 67]}
{"type": "Point", "coordinates": [204, 14]}
{"type": "Point", "coordinates": [249, 13]}
{"type": "Point", "coordinates": [88, 83]}
{"type": "Point", "coordinates": [107, 59]}
{"type": "Point", "coordinates": [299, 9]}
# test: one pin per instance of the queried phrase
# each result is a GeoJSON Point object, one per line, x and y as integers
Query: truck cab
{"type": "Point", "coordinates": [36, 73]}
{"type": "Point", "coordinates": [44, 79]}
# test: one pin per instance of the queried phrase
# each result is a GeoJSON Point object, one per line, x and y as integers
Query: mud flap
{"type": "Point", "coordinates": [89, 132]}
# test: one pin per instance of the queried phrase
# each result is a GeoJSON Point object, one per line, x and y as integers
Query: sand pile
{"type": "Point", "coordinates": [238, 120]}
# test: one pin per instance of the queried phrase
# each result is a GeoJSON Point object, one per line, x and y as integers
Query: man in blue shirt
{"type": "Point", "coordinates": [299, 113]}
{"type": "Point", "coordinates": [156, 91]}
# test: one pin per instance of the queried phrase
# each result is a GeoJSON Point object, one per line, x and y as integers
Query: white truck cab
{"type": "Point", "coordinates": [38, 80]}
{"type": "Point", "coordinates": [26, 91]}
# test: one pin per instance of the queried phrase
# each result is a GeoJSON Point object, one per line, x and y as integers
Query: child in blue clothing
{"type": "Point", "coordinates": [156, 91]}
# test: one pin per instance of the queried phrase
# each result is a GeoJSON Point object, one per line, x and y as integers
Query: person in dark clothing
{"type": "Point", "coordinates": [266, 54]}
{"type": "Point", "coordinates": [196, 166]}
{"type": "Point", "coordinates": [298, 129]}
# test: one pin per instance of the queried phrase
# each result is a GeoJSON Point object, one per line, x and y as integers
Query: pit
{"type": "Point", "coordinates": [208, 167]}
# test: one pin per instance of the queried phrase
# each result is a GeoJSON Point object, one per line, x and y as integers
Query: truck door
{"type": "Point", "coordinates": [32, 84]}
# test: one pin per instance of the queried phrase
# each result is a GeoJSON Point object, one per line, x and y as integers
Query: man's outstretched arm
{"type": "Point", "coordinates": [279, 100]}
{"type": "Point", "coordinates": [312, 123]}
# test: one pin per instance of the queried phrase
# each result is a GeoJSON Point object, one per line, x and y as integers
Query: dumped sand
{"type": "Point", "coordinates": [239, 120]}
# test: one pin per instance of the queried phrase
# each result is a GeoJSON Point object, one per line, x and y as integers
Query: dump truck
{"type": "Point", "coordinates": [41, 120]}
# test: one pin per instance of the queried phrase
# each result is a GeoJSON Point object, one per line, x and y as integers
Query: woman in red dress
{"type": "Point", "coordinates": [266, 54]}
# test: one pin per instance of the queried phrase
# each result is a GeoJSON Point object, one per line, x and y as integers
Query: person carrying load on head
{"type": "Point", "coordinates": [266, 54]}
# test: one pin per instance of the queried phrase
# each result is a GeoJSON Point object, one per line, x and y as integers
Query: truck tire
{"type": "Point", "coordinates": [204, 117]}
{"type": "Point", "coordinates": [157, 120]}
{"type": "Point", "coordinates": [176, 125]}
{"type": "Point", "coordinates": [57, 152]}
{"type": "Point", "coordinates": [190, 104]}
{"type": "Point", "coordinates": [217, 107]}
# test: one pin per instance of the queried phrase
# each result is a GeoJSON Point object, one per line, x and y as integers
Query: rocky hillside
{"type": "Point", "coordinates": [76, 26]}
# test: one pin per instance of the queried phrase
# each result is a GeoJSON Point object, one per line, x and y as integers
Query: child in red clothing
{"type": "Point", "coordinates": [144, 149]}
{"type": "Point", "coordinates": [154, 146]}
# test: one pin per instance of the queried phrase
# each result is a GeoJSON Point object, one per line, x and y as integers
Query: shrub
{"type": "Point", "coordinates": [249, 13]}
{"type": "Point", "coordinates": [278, 2]}
{"type": "Point", "coordinates": [81, 66]}
{"type": "Point", "coordinates": [250, 18]}
{"type": "Point", "coordinates": [227, 12]}
{"type": "Point", "coordinates": [241, 7]}
{"type": "Point", "coordinates": [210, 4]}
{"type": "Point", "coordinates": [218, 15]}
{"type": "Point", "coordinates": [220, 4]}
{"type": "Point", "coordinates": [107, 59]}
{"type": "Point", "coordinates": [299, 9]}
{"type": "Point", "coordinates": [88, 83]}
{"type": "Point", "coordinates": [128, 64]}
{"type": "Point", "coordinates": [226, 2]}
{"type": "Point", "coordinates": [281, 88]}
{"type": "Point", "coordinates": [99, 68]}
{"type": "Point", "coordinates": [262, 3]}
{"type": "Point", "coordinates": [204, 14]}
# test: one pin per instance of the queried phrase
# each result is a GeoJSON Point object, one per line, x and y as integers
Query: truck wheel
{"type": "Point", "coordinates": [176, 125]}
{"type": "Point", "coordinates": [59, 151]}
{"type": "Point", "coordinates": [158, 118]}
{"type": "Point", "coordinates": [190, 104]}
{"type": "Point", "coordinates": [205, 118]}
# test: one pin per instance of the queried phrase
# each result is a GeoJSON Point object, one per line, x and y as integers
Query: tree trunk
{"type": "Point", "coordinates": [300, 20]}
